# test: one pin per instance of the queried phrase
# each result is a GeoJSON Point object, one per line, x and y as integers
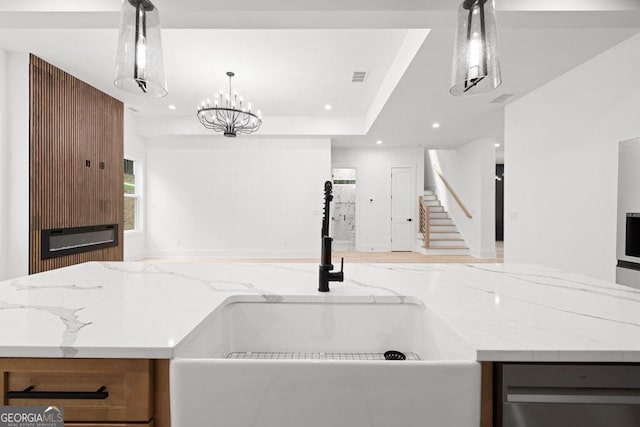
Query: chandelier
{"type": "Point", "coordinates": [229, 114]}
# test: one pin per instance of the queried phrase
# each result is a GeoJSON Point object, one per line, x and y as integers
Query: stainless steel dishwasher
{"type": "Point", "coordinates": [567, 395]}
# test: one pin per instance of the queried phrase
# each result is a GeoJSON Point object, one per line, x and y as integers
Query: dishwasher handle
{"type": "Point", "coordinates": [587, 396]}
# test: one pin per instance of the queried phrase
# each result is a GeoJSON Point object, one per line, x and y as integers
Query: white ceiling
{"type": "Point", "coordinates": [292, 57]}
{"type": "Point", "coordinates": [283, 72]}
{"type": "Point", "coordinates": [529, 58]}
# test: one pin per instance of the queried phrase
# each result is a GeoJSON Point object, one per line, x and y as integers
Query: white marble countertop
{"type": "Point", "coordinates": [142, 310]}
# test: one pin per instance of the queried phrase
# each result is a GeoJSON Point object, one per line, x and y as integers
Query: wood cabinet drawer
{"type": "Point", "coordinates": [128, 382]}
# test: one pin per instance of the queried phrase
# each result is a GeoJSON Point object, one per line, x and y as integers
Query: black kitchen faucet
{"type": "Point", "coordinates": [326, 267]}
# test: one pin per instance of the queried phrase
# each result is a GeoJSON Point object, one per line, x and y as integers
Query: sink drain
{"type": "Point", "coordinates": [394, 355]}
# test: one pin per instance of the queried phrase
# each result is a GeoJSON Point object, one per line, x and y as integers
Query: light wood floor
{"type": "Point", "coordinates": [351, 257]}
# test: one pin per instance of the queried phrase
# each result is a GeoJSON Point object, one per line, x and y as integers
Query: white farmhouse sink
{"type": "Point", "coordinates": [302, 379]}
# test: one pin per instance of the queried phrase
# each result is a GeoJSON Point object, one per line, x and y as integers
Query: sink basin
{"type": "Point", "coordinates": [317, 364]}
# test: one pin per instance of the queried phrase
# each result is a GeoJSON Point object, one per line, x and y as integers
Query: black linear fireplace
{"type": "Point", "coordinates": [632, 245]}
{"type": "Point", "coordinates": [69, 241]}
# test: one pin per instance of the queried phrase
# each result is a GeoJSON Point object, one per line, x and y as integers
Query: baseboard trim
{"type": "Point", "coordinates": [373, 248]}
{"type": "Point", "coordinates": [483, 254]}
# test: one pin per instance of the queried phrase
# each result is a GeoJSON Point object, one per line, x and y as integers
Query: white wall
{"type": "Point", "coordinates": [135, 149]}
{"type": "Point", "coordinates": [235, 197]}
{"type": "Point", "coordinates": [470, 170]}
{"type": "Point", "coordinates": [14, 165]}
{"type": "Point", "coordinates": [373, 181]}
{"type": "Point", "coordinates": [4, 163]}
{"type": "Point", "coordinates": [561, 144]}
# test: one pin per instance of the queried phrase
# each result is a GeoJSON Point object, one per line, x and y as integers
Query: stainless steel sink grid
{"type": "Point", "coordinates": [312, 356]}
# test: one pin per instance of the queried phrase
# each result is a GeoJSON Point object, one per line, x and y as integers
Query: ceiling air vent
{"type": "Point", "coordinates": [133, 109]}
{"type": "Point", "coordinates": [502, 98]}
{"type": "Point", "coordinates": [359, 77]}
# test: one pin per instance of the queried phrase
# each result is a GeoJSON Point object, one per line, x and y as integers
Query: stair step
{"type": "Point", "coordinates": [430, 198]}
{"type": "Point", "coordinates": [451, 244]}
{"type": "Point", "coordinates": [436, 208]}
{"type": "Point", "coordinates": [441, 221]}
{"type": "Point", "coordinates": [432, 202]}
{"type": "Point", "coordinates": [429, 193]}
{"type": "Point", "coordinates": [443, 229]}
{"type": "Point", "coordinates": [439, 215]}
{"type": "Point", "coordinates": [445, 235]}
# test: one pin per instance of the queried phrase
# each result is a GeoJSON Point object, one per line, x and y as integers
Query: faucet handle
{"type": "Point", "coordinates": [340, 275]}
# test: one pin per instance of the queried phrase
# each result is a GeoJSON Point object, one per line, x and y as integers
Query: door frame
{"type": "Point", "coordinates": [347, 166]}
{"type": "Point", "coordinates": [414, 193]}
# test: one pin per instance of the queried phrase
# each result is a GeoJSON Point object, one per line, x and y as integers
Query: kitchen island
{"type": "Point", "coordinates": [505, 313]}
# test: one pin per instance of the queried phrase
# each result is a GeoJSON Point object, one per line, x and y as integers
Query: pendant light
{"type": "Point", "coordinates": [139, 64]}
{"type": "Point", "coordinates": [476, 65]}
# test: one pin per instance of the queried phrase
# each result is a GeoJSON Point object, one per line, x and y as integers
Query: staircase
{"type": "Point", "coordinates": [444, 237]}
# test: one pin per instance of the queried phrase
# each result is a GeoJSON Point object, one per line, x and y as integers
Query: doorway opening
{"type": "Point", "coordinates": [344, 209]}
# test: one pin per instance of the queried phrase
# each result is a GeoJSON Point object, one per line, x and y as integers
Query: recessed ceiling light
{"type": "Point", "coordinates": [172, 107]}
{"type": "Point", "coordinates": [379, 142]}
{"type": "Point", "coordinates": [496, 145]}
{"type": "Point", "coordinates": [328, 107]}
{"type": "Point", "coordinates": [436, 125]}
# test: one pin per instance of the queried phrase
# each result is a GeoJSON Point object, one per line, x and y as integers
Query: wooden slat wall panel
{"type": "Point", "coordinates": [72, 122]}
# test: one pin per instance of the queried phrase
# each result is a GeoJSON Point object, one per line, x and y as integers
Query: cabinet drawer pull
{"type": "Point", "coordinates": [28, 393]}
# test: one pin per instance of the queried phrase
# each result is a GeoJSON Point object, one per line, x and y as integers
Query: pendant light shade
{"type": "Point", "coordinates": [476, 64]}
{"type": "Point", "coordinates": [139, 64]}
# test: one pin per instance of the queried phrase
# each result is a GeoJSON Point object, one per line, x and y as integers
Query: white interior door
{"type": "Point", "coordinates": [402, 210]}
